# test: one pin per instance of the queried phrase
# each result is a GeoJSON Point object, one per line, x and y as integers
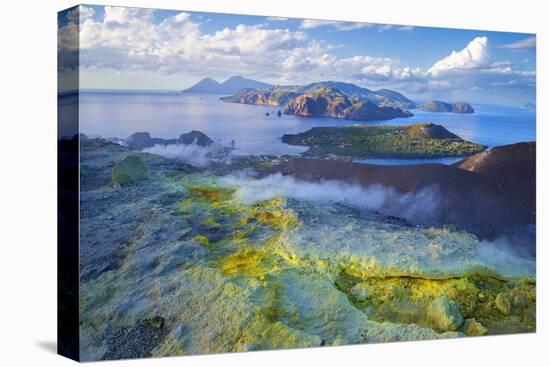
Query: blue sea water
{"type": "Point", "coordinates": [169, 114]}
{"type": "Point", "coordinates": [400, 162]}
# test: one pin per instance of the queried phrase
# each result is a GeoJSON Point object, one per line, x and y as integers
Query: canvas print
{"type": "Point", "coordinates": [233, 183]}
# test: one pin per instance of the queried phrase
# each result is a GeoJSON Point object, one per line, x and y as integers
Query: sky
{"type": "Point", "coordinates": [135, 48]}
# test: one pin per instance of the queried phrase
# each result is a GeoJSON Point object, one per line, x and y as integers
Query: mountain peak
{"type": "Point", "coordinates": [237, 83]}
{"type": "Point", "coordinates": [230, 86]}
{"type": "Point", "coordinates": [235, 77]}
{"type": "Point", "coordinates": [209, 80]}
{"type": "Point", "coordinates": [205, 85]}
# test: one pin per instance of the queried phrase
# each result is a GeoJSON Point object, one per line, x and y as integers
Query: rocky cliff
{"type": "Point", "coordinates": [330, 102]}
{"type": "Point", "coordinates": [438, 106]}
{"type": "Point", "coordinates": [144, 140]}
{"type": "Point", "coordinates": [281, 95]}
{"type": "Point", "coordinates": [322, 101]}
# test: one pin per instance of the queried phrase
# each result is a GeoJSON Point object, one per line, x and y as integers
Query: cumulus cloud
{"type": "Point", "coordinates": [406, 28]}
{"type": "Point", "coordinates": [337, 25]}
{"type": "Point", "coordinates": [473, 56]}
{"type": "Point", "coordinates": [384, 70]}
{"type": "Point", "coordinates": [133, 40]}
{"type": "Point", "coordinates": [388, 27]}
{"type": "Point", "coordinates": [472, 69]}
{"type": "Point", "coordinates": [419, 206]}
{"type": "Point", "coordinates": [314, 59]}
{"type": "Point", "coordinates": [349, 26]}
{"type": "Point", "coordinates": [277, 19]}
{"type": "Point", "coordinates": [527, 44]}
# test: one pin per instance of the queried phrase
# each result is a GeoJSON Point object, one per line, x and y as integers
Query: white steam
{"type": "Point", "coordinates": [502, 255]}
{"type": "Point", "coordinates": [192, 154]}
{"type": "Point", "coordinates": [419, 206]}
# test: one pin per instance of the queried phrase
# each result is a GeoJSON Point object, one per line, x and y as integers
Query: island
{"type": "Point", "coordinates": [230, 86]}
{"type": "Point", "coordinates": [438, 106]}
{"type": "Point", "coordinates": [330, 102]}
{"type": "Point", "coordinates": [325, 100]}
{"type": "Point", "coordinates": [425, 140]}
{"type": "Point", "coordinates": [280, 95]}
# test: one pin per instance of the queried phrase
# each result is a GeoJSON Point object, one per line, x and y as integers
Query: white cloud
{"type": "Point", "coordinates": [472, 69]}
{"type": "Point", "coordinates": [528, 44]}
{"type": "Point", "coordinates": [133, 40]}
{"type": "Point", "coordinates": [349, 26]}
{"type": "Point", "coordinates": [315, 61]}
{"type": "Point", "coordinates": [384, 69]}
{"type": "Point", "coordinates": [476, 54]}
{"type": "Point", "coordinates": [80, 13]}
{"type": "Point", "coordinates": [406, 28]}
{"type": "Point", "coordinates": [277, 19]}
{"type": "Point", "coordinates": [315, 23]}
{"type": "Point", "coordinates": [337, 25]}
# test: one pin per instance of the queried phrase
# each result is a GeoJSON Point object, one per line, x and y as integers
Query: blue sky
{"type": "Point", "coordinates": [375, 41]}
{"type": "Point", "coordinates": [129, 48]}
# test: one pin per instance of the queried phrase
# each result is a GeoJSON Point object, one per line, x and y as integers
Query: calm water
{"type": "Point", "coordinates": [167, 115]}
{"type": "Point", "coordinates": [400, 162]}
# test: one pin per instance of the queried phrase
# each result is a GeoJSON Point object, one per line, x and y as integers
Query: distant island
{"type": "Point", "coordinates": [329, 99]}
{"type": "Point", "coordinates": [330, 102]}
{"type": "Point", "coordinates": [324, 99]}
{"type": "Point", "coordinates": [230, 86]}
{"type": "Point", "coordinates": [438, 106]}
{"type": "Point", "coordinates": [425, 140]}
{"type": "Point", "coordinates": [281, 95]}
{"type": "Point", "coordinates": [530, 106]}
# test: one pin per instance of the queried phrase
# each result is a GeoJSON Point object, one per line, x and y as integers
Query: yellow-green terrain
{"type": "Point", "coordinates": [186, 263]}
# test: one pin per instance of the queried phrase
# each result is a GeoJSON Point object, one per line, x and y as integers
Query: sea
{"type": "Point", "coordinates": [258, 129]}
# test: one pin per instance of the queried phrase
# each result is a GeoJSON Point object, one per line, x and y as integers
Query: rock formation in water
{"type": "Point", "coordinates": [462, 107]}
{"type": "Point", "coordinates": [438, 106]}
{"type": "Point", "coordinates": [195, 137]}
{"type": "Point", "coordinates": [142, 140]}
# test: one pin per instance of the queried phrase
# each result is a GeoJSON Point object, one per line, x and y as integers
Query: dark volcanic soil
{"type": "Point", "coordinates": [508, 162]}
{"type": "Point", "coordinates": [484, 205]}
